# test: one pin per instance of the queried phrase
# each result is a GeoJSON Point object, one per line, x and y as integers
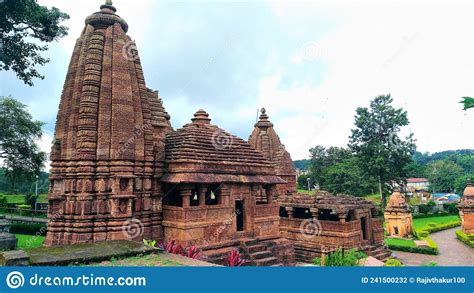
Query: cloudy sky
{"type": "Point", "coordinates": [311, 64]}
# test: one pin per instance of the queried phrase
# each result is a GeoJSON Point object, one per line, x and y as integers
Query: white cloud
{"type": "Point", "coordinates": [420, 54]}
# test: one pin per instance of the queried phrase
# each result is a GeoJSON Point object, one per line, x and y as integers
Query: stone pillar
{"type": "Point", "coordinates": [254, 190]}
{"type": "Point", "coordinates": [202, 195]}
{"type": "Point", "coordinates": [342, 217]}
{"type": "Point", "coordinates": [186, 196]}
{"type": "Point", "coordinates": [270, 194]}
{"type": "Point", "coordinates": [289, 210]}
{"type": "Point", "coordinates": [314, 213]}
{"type": "Point", "coordinates": [224, 197]}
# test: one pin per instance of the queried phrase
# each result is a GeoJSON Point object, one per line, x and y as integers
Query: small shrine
{"type": "Point", "coordinates": [398, 216]}
{"type": "Point", "coordinates": [466, 209]}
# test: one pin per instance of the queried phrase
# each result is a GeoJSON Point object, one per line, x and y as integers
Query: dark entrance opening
{"type": "Point", "coordinates": [239, 215]}
{"type": "Point", "coordinates": [363, 227]}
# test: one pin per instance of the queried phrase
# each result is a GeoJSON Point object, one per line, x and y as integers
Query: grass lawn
{"type": "Point", "coordinates": [20, 198]}
{"type": "Point", "coordinates": [29, 241]}
{"type": "Point", "coordinates": [145, 260]}
{"type": "Point", "coordinates": [374, 198]}
{"type": "Point", "coordinates": [306, 191]}
{"type": "Point", "coordinates": [399, 242]}
{"type": "Point", "coordinates": [427, 223]}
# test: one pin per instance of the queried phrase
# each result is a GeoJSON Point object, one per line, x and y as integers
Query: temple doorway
{"type": "Point", "coordinates": [363, 227]}
{"type": "Point", "coordinates": [239, 214]}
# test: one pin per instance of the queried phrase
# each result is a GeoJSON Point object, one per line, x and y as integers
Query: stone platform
{"type": "Point", "coordinates": [80, 253]}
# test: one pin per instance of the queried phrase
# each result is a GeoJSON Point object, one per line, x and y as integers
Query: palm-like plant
{"type": "Point", "coordinates": [468, 103]}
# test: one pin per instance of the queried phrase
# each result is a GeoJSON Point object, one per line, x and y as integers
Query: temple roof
{"type": "Point", "coordinates": [469, 190]}
{"type": "Point", "coordinates": [325, 200]}
{"type": "Point", "coordinates": [266, 140]}
{"type": "Point", "coordinates": [106, 17]}
{"type": "Point", "coordinates": [467, 200]}
{"type": "Point", "coordinates": [106, 111]}
{"type": "Point", "coordinates": [202, 152]}
{"type": "Point", "coordinates": [397, 203]}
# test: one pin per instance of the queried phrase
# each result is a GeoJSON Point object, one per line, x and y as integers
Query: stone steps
{"type": "Point", "coordinates": [259, 253]}
{"type": "Point", "coordinates": [380, 252]}
{"type": "Point", "coordinates": [268, 261]}
{"type": "Point", "coordinates": [256, 248]}
{"type": "Point", "coordinates": [262, 254]}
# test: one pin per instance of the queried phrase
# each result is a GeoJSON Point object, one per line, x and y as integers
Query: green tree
{"type": "Point", "coordinates": [337, 170]}
{"type": "Point", "coordinates": [31, 199]}
{"type": "Point", "coordinates": [460, 183]}
{"type": "Point", "coordinates": [468, 103]}
{"type": "Point", "coordinates": [416, 170]}
{"type": "Point", "coordinates": [26, 26]}
{"type": "Point", "coordinates": [18, 150]}
{"type": "Point", "coordinates": [442, 175]}
{"type": "Point", "coordinates": [376, 142]}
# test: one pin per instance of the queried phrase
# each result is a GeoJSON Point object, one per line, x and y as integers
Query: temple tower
{"type": "Point", "coordinates": [466, 209]}
{"type": "Point", "coordinates": [108, 146]}
{"type": "Point", "coordinates": [266, 140]}
{"type": "Point", "coordinates": [398, 216]}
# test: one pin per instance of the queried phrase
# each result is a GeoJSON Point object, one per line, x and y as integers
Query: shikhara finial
{"type": "Point", "coordinates": [108, 2]}
{"type": "Point", "coordinates": [263, 111]}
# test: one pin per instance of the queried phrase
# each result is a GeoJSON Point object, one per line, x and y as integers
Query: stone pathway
{"type": "Point", "coordinates": [452, 252]}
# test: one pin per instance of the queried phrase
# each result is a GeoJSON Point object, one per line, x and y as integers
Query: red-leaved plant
{"type": "Point", "coordinates": [233, 259]}
{"type": "Point", "coordinates": [176, 248]}
{"type": "Point", "coordinates": [192, 252]}
{"type": "Point", "coordinates": [171, 247]}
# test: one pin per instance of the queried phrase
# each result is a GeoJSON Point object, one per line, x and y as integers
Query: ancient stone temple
{"type": "Point", "coordinates": [119, 170]}
{"type": "Point", "coordinates": [466, 209]}
{"type": "Point", "coordinates": [219, 194]}
{"type": "Point", "coordinates": [266, 140]}
{"type": "Point", "coordinates": [109, 140]}
{"type": "Point", "coordinates": [325, 222]}
{"type": "Point", "coordinates": [398, 216]}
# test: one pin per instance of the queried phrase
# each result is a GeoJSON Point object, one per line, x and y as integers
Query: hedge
{"type": "Point", "coordinates": [438, 214]}
{"type": "Point", "coordinates": [28, 229]}
{"type": "Point", "coordinates": [432, 248]}
{"type": "Point", "coordinates": [434, 227]}
{"type": "Point", "coordinates": [466, 238]}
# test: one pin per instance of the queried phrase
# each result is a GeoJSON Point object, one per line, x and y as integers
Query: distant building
{"type": "Point", "coordinates": [300, 172]}
{"type": "Point", "coordinates": [418, 183]}
{"type": "Point", "coordinates": [418, 187]}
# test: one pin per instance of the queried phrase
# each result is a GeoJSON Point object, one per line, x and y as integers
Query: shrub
{"type": "Point", "coordinates": [430, 264]}
{"type": "Point", "coordinates": [28, 229]}
{"type": "Point", "coordinates": [393, 263]}
{"type": "Point", "coordinates": [233, 259]}
{"type": "Point", "coordinates": [451, 208]}
{"type": "Point", "coordinates": [466, 238]}
{"type": "Point", "coordinates": [341, 258]}
{"type": "Point", "coordinates": [151, 243]}
{"type": "Point", "coordinates": [410, 246]}
{"type": "Point", "coordinates": [424, 209]}
{"type": "Point", "coordinates": [31, 199]}
{"type": "Point", "coordinates": [422, 234]}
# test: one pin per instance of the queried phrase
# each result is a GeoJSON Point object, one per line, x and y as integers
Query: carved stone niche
{"type": "Point", "coordinates": [57, 187]}
{"type": "Point", "coordinates": [138, 184]}
{"type": "Point", "coordinates": [123, 185]}
{"type": "Point", "coordinates": [100, 185]}
{"type": "Point", "coordinates": [122, 207]}
{"type": "Point", "coordinates": [56, 208]}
